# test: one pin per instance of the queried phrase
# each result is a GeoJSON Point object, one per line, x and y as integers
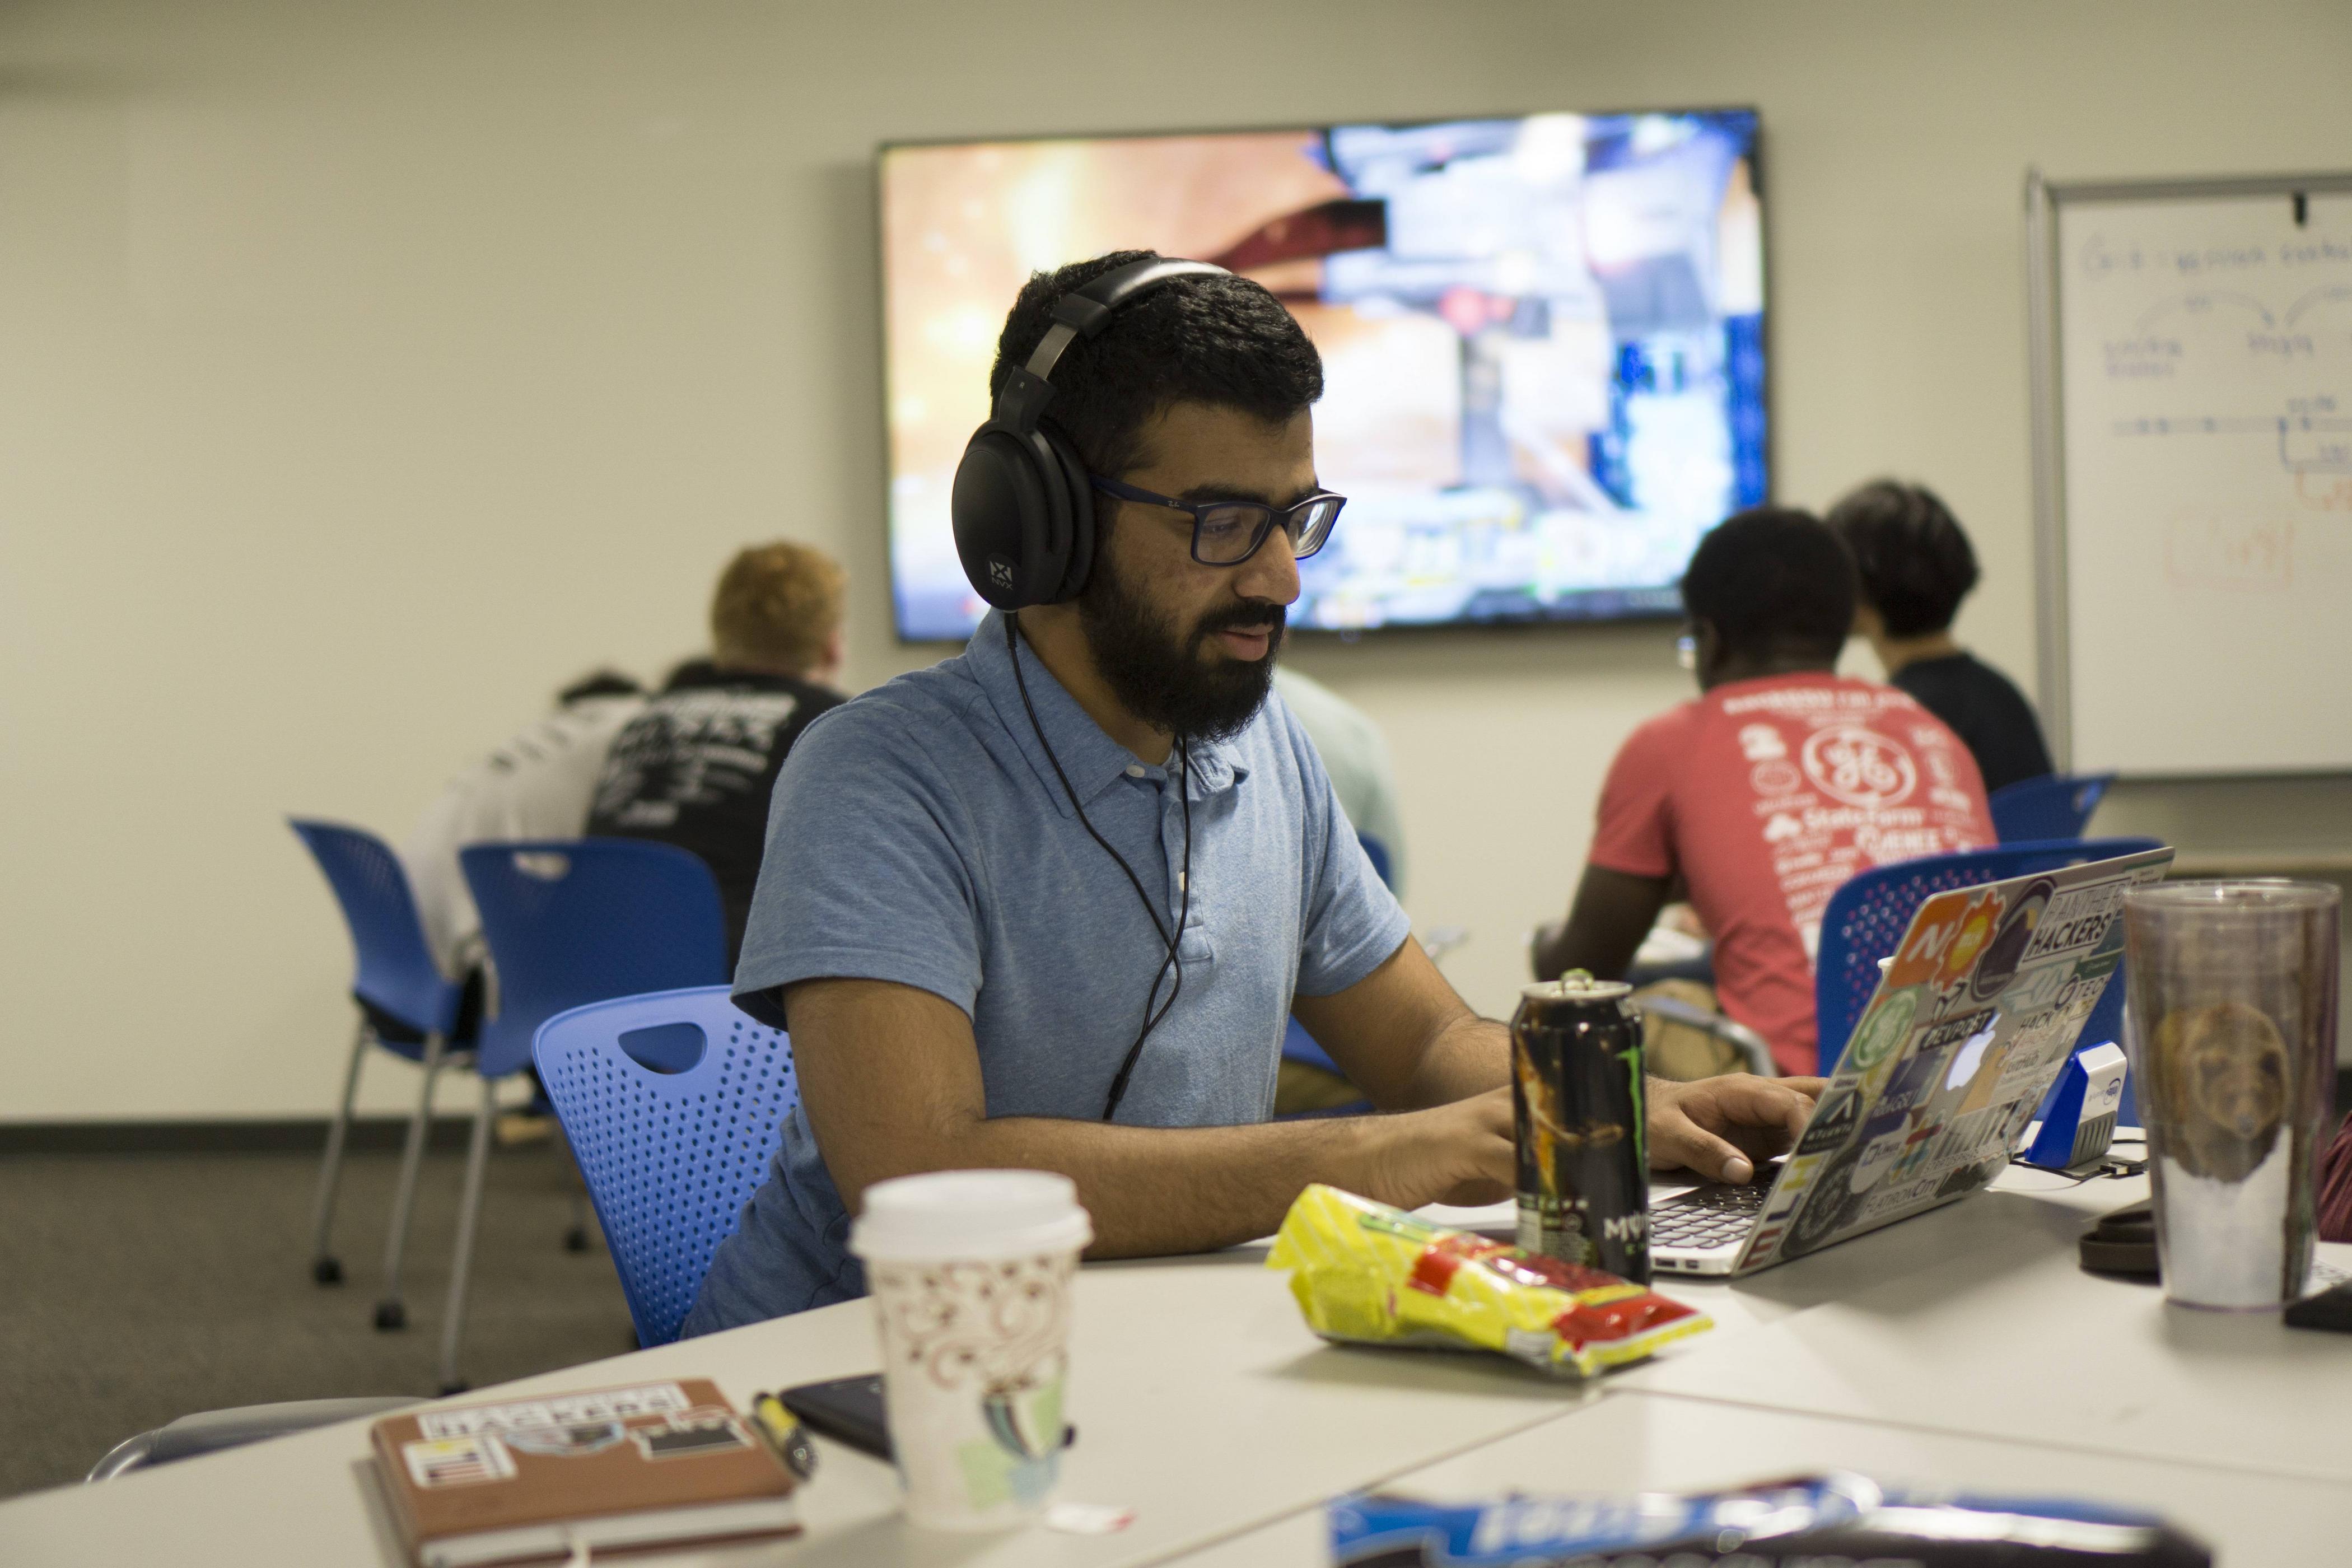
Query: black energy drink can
{"type": "Point", "coordinates": [1576, 1097]}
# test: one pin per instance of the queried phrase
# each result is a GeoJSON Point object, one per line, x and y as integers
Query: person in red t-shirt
{"type": "Point", "coordinates": [2335, 1186]}
{"type": "Point", "coordinates": [1781, 781]}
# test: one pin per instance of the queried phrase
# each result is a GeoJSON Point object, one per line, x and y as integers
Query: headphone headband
{"type": "Point", "coordinates": [1085, 312]}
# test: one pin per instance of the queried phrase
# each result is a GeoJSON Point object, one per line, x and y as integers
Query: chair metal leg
{"type": "Point", "coordinates": [325, 1266]}
{"type": "Point", "coordinates": [390, 1312]}
{"type": "Point", "coordinates": [576, 1239]}
{"type": "Point", "coordinates": [461, 1266]}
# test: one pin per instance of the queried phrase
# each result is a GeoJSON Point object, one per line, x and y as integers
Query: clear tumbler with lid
{"type": "Point", "coordinates": [2233, 991]}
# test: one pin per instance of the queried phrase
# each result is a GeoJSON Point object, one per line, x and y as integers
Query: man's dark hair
{"type": "Point", "coordinates": [1222, 340]}
{"type": "Point", "coordinates": [1775, 582]}
{"type": "Point", "coordinates": [1916, 564]}
{"type": "Point", "coordinates": [600, 683]}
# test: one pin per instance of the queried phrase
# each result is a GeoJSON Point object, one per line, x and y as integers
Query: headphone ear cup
{"type": "Point", "coordinates": [1079, 495]}
{"type": "Point", "coordinates": [1051, 562]}
{"type": "Point", "coordinates": [1002, 519]}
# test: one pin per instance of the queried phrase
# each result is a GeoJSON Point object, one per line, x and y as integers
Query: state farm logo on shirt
{"type": "Point", "coordinates": [1859, 766]}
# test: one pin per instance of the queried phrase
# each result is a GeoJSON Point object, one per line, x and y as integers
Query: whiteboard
{"type": "Point", "coordinates": [2193, 455]}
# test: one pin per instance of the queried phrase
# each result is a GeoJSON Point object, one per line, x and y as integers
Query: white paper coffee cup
{"type": "Point", "coordinates": [970, 1273]}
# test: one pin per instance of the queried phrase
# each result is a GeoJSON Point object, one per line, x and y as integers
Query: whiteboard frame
{"type": "Point", "coordinates": [2054, 669]}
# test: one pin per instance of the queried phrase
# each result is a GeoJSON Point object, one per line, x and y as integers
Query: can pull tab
{"type": "Point", "coordinates": [1576, 985]}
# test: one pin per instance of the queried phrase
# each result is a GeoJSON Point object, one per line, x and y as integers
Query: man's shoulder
{"type": "Point", "coordinates": [816, 696]}
{"type": "Point", "coordinates": [924, 720]}
{"type": "Point", "coordinates": [1673, 728]}
{"type": "Point", "coordinates": [1962, 676]}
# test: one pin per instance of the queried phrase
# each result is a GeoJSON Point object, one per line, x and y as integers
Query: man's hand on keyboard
{"type": "Point", "coordinates": [1720, 1127]}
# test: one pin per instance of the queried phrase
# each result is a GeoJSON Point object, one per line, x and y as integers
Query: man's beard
{"type": "Point", "coordinates": [1168, 680]}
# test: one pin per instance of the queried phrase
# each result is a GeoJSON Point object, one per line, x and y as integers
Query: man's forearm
{"type": "Point", "coordinates": [1153, 1190]}
{"type": "Point", "coordinates": [1470, 1055]}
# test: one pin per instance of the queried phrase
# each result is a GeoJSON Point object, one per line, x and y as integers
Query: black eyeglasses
{"type": "Point", "coordinates": [1228, 532]}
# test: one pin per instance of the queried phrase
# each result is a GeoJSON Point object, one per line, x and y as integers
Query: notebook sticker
{"type": "Point", "coordinates": [607, 1405]}
{"type": "Point", "coordinates": [565, 1442]}
{"type": "Point", "coordinates": [703, 1431]}
{"type": "Point", "coordinates": [457, 1461]}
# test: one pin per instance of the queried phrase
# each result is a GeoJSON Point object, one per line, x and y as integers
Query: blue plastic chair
{"type": "Point", "coordinates": [1298, 1045]}
{"type": "Point", "coordinates": [407, 1007]}
{"type": "Point", "coordinates": [2055, 806]}
{"type": "Point", "coordinates": [674, 1105]}
{"type": "Point", "coordinates": [1869, 914]}
{"type": "Point", "coordinates": [567, 923]}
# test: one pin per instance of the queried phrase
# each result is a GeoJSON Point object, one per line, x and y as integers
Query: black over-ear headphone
{"type": "Point", "coordinates": [1023, 508]}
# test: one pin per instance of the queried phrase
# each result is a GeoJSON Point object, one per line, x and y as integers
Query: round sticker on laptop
{"type": "Point", "coordinates": [2007, 949]}
{"type": "Point", "coordinates": [1883, 1029]}
{"type": "Point", "coordinates": [1828, 1205]}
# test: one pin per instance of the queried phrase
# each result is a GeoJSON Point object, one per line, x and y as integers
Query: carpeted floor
{"type": "Point", "coordinates": [137, 1287]}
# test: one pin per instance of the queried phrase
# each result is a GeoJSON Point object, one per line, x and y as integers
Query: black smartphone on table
{"type": "Point", "coordinates": [846, 1409]}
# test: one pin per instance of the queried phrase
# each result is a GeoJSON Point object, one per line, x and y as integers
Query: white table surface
{"type": "Point", "coordinates": [1636, 1442]}
{"type": "Point", "coordinates": [1201, 1398]}
{"type": "Point", "coordinates": [1205, 1405]}
{"type": "Point", "coordinates": [1980, 1320]}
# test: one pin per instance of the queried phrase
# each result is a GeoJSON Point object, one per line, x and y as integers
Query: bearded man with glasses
{"type": "Point", "coordinates": [1050, 903]}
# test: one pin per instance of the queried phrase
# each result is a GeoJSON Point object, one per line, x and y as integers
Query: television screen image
{"type": "Point", "coordinates": [1542, 341]}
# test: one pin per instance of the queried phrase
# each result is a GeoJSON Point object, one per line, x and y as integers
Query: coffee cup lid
{"type": "Point", "coordinates": [977, 1215]}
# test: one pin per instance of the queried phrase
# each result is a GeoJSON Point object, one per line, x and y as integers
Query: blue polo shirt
{"type": "Point", "coordinates": [919, 835]}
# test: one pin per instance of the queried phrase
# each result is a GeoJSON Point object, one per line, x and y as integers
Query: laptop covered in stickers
{"type": "Point", "coordinates": [1970, 1024]}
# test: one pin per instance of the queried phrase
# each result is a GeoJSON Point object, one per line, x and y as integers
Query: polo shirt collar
{"type": "Point", "coordinates": [1092, 759]}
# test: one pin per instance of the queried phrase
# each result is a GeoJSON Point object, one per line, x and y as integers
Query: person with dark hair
{"type": "Point", "coordinates": [1763, 797]}
{"type": "Point", "coordinates": [1051, 904]}
{"type": "Point", "coordinates": [1916, 567]}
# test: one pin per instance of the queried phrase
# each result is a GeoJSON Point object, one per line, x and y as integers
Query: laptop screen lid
{"type": "Point", "coordinates": [1969, 1026]}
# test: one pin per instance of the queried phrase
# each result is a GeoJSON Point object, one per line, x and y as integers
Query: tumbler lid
{"type": "Point", "coordinates": [2233, 895]}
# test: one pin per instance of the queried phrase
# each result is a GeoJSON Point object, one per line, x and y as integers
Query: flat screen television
{"type": "Point", "coordinates": [1542, 339]}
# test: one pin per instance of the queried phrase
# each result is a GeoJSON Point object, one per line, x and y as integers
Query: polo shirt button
{"type": "Point", "coordinates": [1135, 769]}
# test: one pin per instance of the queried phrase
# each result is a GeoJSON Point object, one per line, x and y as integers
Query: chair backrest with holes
{"type": "Point", "coordinates": [569, 921]}
{"type": "Point", "coordinates": [671, 1150]}
{"type": "Point", "coordinates": [2055, 806]}
{"type": "Point", "coordinates": [1869, 914]}
{"type": "Point", "coordinates": [394, 972]}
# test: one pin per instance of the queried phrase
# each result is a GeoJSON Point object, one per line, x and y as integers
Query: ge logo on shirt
{"type": "Point", "coordinates": [1859, 766]}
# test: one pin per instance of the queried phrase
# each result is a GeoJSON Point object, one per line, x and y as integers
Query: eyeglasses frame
{"type": "Point", "coordinates": [1198, 510]}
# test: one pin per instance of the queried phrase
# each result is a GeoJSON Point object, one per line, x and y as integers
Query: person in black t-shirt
{"type": "Point", "coordinates": [1917, 566]}
{"type": "Point", "coordinates": [695, 768]}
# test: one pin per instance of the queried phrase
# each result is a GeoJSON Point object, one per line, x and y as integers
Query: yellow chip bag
{"type": "Point", "coordinates": [1373, 1275]}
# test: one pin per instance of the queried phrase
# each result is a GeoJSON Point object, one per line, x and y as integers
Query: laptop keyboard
{"type": "Point", "coordinates": [1709, 1217]}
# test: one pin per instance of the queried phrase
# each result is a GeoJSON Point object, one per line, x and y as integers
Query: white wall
{"type": "Point", "coordinates": [364, 371]}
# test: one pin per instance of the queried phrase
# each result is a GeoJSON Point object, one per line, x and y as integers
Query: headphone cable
{"type": "Point", "coordinates": [1151, 1019]}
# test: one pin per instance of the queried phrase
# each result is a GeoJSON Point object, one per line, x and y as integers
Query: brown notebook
{"type": "Point", "coordinates": [653, 1464]}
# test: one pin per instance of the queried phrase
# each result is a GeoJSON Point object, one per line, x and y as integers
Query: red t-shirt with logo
{"type": "Point", "coordinates": [1766, 796]}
